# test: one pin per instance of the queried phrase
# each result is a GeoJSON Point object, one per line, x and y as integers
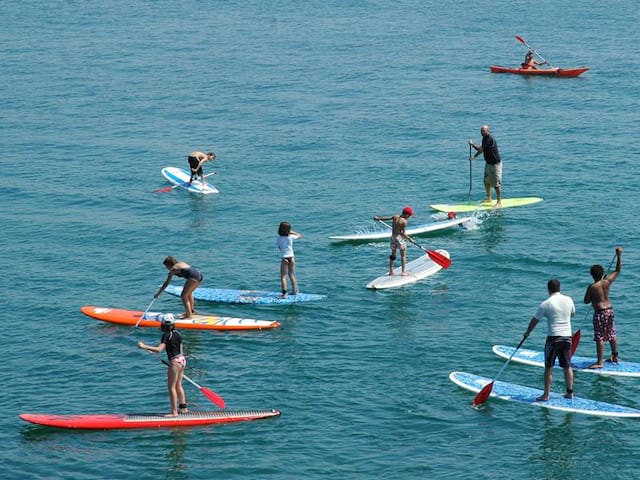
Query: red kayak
{"type": "Point", "coordinates": [119, 421]}
{"type": "Point", "coordinates": [549, 72]}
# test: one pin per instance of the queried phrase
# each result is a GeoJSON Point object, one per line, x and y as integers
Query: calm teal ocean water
{"type": "Point", "coordinates": [323, 114]}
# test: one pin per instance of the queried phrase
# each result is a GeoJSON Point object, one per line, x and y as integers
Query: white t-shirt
{"type": "Point", "coordinates": [558, 310]}
{"type": "Point", "coordinates": [285, 244]}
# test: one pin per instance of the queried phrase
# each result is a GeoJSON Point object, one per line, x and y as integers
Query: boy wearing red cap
{"type": "Point", "coordinates": [398, 237]}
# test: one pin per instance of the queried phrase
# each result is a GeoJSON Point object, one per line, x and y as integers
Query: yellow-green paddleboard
{"type": "Point", "coordinates": [473, 206]}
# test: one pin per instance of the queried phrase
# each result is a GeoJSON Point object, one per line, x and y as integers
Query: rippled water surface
{"type": "Point", "coordinates": [323, 114]}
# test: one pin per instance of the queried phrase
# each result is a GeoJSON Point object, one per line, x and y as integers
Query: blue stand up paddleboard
{"type": "Point", "coordinates": [527, 395]}
{"type": "Point", "coordinates": [536, 359]}
{"type": "Point", "coordinates": [222, 295]}
{"type": "Point", "coordinates": [180, 178]}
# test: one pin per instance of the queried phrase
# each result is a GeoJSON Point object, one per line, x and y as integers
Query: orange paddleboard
{"type": "Point", "coordinates": [196, 322]}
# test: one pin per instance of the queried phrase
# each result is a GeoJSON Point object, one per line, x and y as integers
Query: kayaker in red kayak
{"type": "Point", "coordinates": [529, 61]}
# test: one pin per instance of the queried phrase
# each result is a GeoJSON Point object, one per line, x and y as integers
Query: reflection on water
{"type": "Point", "coordinates": [177, 466]}
{"type": "Point", "coordinates": [558, 452]}
{"type": "Point", "coordinates": [493, 230]}
{"type": "Point", "coordinates": [201, 208]}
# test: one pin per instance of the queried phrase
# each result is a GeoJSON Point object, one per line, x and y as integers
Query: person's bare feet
{"type": "Point", "coordinates": [542, 398]}
{"type": "Point", "coordinates": [596, 365]}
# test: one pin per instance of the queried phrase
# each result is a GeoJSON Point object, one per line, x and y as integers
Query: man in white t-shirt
{"type": "Point", "coordinates": [558, 310]}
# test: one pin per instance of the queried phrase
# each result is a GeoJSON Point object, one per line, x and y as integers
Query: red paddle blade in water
{"type": "Point", "coordinates": [213, 396]}
{"type": "Point", "coordinates": [166, 189]}
{"type": "Point", "coordinates": [440, 259]}
{"type": "Point", "coordinates": [575, 340]}
{"type": "Point", "coordinates": [483, 395]}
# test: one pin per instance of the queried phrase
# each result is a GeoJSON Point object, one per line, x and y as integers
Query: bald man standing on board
{"type": "Point", "coordinates": [492, 166]}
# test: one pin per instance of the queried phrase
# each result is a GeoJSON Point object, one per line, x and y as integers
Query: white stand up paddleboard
{"type": "Point", "coordinates": [417, 230]}
{"type": "Point", "coordinates": [181, 177]}
{"type": "Point", "coordinates": [417, 269]}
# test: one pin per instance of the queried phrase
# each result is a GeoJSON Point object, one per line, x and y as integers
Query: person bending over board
{"type": "Point", "coordinates": [286, 236]}
{"type": "Point", "coordinates": [398, 237]}
{"type": "Point", "coordinates": [192, 277]}
{"type": "Point", "coordinates": [492, 166]}
{"type": "Point", "coordinates": [558, 309]}
{"type": "Point", "coordinates": [196, 160]}
{"type": "Point", "coordinates": [604, 327]}
{"type": "Point", "coordinates": [171, 341]}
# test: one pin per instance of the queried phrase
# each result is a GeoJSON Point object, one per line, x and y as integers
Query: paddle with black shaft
{"type": "Point", "coordinates": [145, 312]}
{"type": "Point", "coordinates": [524, 42]}
{"type": "Point", "coordinates": [210, 394]}
{"type": "Point", "coordinates": [470, 176]}
{"type": "Point", "coordinates": [483, 395]}
{"type": "Point", "coordinates": [575, 338]}
{"type": "Point", "coordinates": [168, 189]}
{"type": "Point", "coordinates": [437, 257]}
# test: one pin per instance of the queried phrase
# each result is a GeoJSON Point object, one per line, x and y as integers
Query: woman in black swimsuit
{"type": "Point", "coordinates": [192, 277]}
{"type": "Point", "coordinates": [171, 342]}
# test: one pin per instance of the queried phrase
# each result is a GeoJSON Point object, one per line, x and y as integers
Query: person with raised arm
{"type": "Point", "coordinates": [604, 327]}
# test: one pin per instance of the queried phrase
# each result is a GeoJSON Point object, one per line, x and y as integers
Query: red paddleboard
{"type": "Point", "coordinates": [545, 72]}
{"type": "Point", "coordinates": [196, 322]}
{"type": "Point", "coordinates": [144, 420]}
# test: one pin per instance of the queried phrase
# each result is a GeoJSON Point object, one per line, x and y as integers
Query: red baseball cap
{"type": "Point", "coordinates": [408, 210]}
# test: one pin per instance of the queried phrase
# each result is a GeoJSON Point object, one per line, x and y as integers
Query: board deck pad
{"type": "Point", "coordinates": [222, 295]}
{"type": "Point", "coordinates": [416, 230]}
{"type": "Point", "coordinates": [477, 206]}
{"type": "Point", "coordinates": [181, 177]}
{"type": "Point", "coordinates": [527, 395]}
{"type": "Point", "coordinates": [536, 359]}
{"type": "Point", "coordinates": [417, 269]}
{"type": "Point", "coordinates": [196, 322]}
{"type": "Point", "coordinates": [145, 420]}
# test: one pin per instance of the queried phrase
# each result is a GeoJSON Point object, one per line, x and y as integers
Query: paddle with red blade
{"type": "Point", "coordinates": [437, 257]}
{"type": "Point", "coordinates": [168, 189]}
{"type": "Point", "coordinates": [575, 338]}
{"type": "Point", "coordinates": [210, 394]}
{"type": "Point", "coordinates": [524, 42]}
{"type": "Point", "coordinates": [483, 395]}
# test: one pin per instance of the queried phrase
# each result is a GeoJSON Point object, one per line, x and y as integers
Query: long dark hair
{"type": "Point", "coordinates": [284, 229]}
